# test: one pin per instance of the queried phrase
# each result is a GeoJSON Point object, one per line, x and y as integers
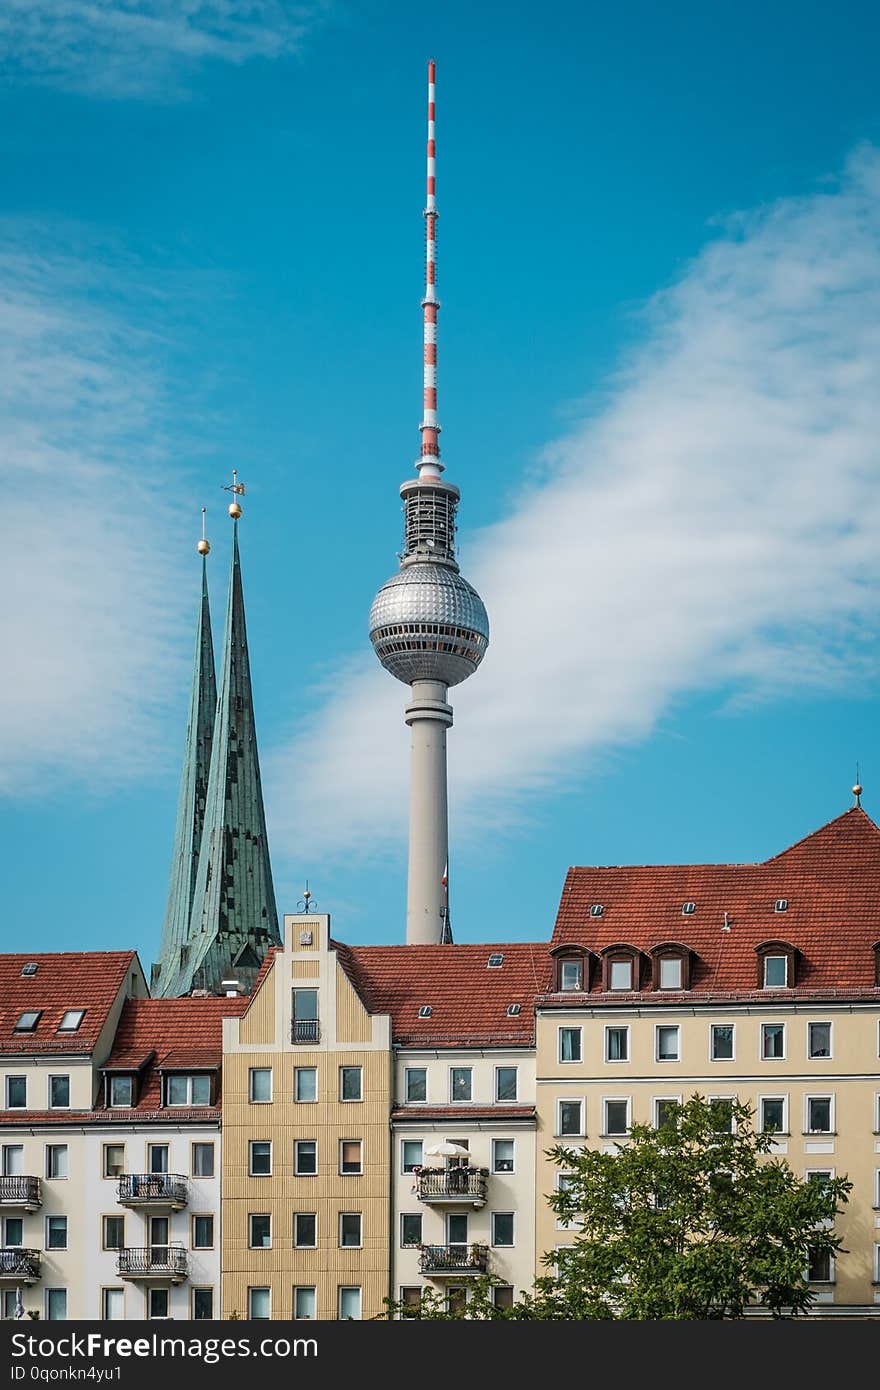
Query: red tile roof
{"type": "Point", "coordinates": [89, 980]}
{"type": "Point", "coordinates": [427, 1114]}
{"type": "Point", "coordinates": [831, 880]}
{"type": "Point", "coordinates": [468, 998]}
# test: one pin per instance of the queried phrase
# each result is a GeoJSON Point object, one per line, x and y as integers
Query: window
{"type": "Point", "coordinates": [570, 1117]}
{"type": "Point", "coordinates": [411, 1299]}
{"type": "Point", "coordinates": [306, 1084]}
{"type": "Point", "coordinates": [202, 1304]}
{"type": "Point", "coordinates": [259, 1303]}
{"type": "Point", "coordinates": [157, 1303]}
{"type": "Point", "coordinates": [203, 1160]}
{"type": "Point", "coordinates": [410, 1155]}
{"type": "Point", "coordinates": [569, 1044]}
{"type": "Point", "coordinates": [617, 1043]}
{"type": "Point", "coordinates": [259, 1230]}
{"type": "Point", "coordinates": [670, 972]}
{"type": "Point", "coordinates": [460, 1083]}
{"type": "Point", "coordinates": [456, 1301]}
{"type": "Point", "coordinates": [502, 1228]}
{"type": "Point", "coordinates": [305, 1016]}
{"type": "Point", "coordinates": [664, 1110]}
{"type": "Point", "coordinates": [305, 1158]}
{"type": "Point", "coordinates": [780, 905]}
{"type": "Point", "coordinates": [259, 1085]}
{"type": "Point", "coordinates": [304, 1302]}
{"type": "Point", "coordinates": [620, 973]}
{"type": "Point", "coordinates": [772, 1040]}
{"type": "Point", "coordinates": [114, 1160]}
{"type": "Point", "coordinates": [157, 1158]}
{"type": "Point", "coordinates": [667, 1042]}
{"type": "Point", "coordinates": [820, 1269]}
{"type": "Point", "coordinates": [350, 1228]}
{"type": "Point", "coordinates": [596, 909]}
{"type": "Point", "coordinates": [502, 1155]}
{"type": "Point", "coordinates": [305, 1230]}
{"type": "Point", "coordinates": [722, 1114]}
{"type": "Point", "coordinates": [56, 1160]}
{"type": "Point", "coordinates": [121, 1090]}
{"type": "Point", "coordinates": [410, 1229]}
{"type": "Point", "coordinates": [16, 1092]}
{"type": "Point", "coordinates": [56, 1305]}
{"type": "Point", "coordinates": [8, 1304]}
{"type": "Point", "coordinates": [260, 1158]}
{"type": "Point", "coordinates": [415, 1084]}
{"type": "Point", "coordinates": [616, 1117]}
{"type": "Point", "coordinates": [69, 1024]}
{"type": "Point", "coordinates": [775, 972]}
{"type": "Point", "coordinates": [188, 1090]}
{"type": "Point", "coordinates": [113, 1305]}
{"type": "Point", "coordinates": [13, 1160]}
{"type": "Point", "coordinates": [27, 1022]}
{"type": "Point", "coordinates": [819, 1039]}
{"type": "Point", "coordinates": [56, 1232]}
{"type": "Point", "coordinates": [13, 1231]}
{"type": "Point", "coordinates": [721, 1047]}
{"type": "Point", "coordinates": [819, 1115]}
{"type": "Point", "coordinates": [203, 1233]}
{"type": "Point", "coordinates": [505, 1083]}
{"type": "Point", "coordinates": [349, 1302]}
{"type": "Point", "coordinates": [351, 1159]}
{"type": "Point", "coordinates": [457, 1228]}
{"type": "Point", "coordinates": [425, 1011]}
{"type": "Point", "coordinates": [497, 958]}
{"type": "Point", "coordinates": [570, 974]}
{"type": "Point", "coordinates": [513, 1010]}
{"type": "Point", "coordinates": [113, 1232]}
{"type": "Point", "coordinates": [502, 1295]}
{"type": "Point", "coordinates": [772, 1113]}
{"type": "Point", "coordinates": [351, 1083]}
{"type": "Point", "coordinates": [59, 1092]}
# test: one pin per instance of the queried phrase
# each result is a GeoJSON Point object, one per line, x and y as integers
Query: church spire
{"type": "Point", "coordinates": [193, 790]}
{"type": "Point", "coordinates": [234, 919]}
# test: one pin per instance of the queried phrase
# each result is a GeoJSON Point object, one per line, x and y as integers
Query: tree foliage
{"type": "Point", "coordinates": [694, 1220]}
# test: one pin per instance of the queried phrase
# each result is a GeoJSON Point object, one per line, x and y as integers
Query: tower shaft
{"type": "Point", "coordinates": [429, 464]}
{"type": "Point", "coordinates": [428, 716]}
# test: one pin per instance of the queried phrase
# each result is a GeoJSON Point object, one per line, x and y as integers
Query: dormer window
{"type": "Point", "coordinates": [671, 966]}
{"type": "Point", "coordinates": [670, 972]}
{"type": "Point", "coordinates": [570, 974]}
{"type": "Point", "coordinates": [876, 950]}
{"type": "Point", "coordinates": [188, 1089]}
{"type": "Point", "coordinates": [620, 973]}
{"type": "Point", "coordinates": [776, 965]}
{"type": "Point", "coordinates": [27, 1022]}
{"type": "Point", "coordinates": [121, 1089]}
{"type": "Point", "coordinates": [571, 970]}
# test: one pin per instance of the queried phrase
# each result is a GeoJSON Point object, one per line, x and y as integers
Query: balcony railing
{"type": "Point", "coordinates": [305, 1030]}
{"type": "Point", "coordinates": [20, 1192]}
{"type": "Point", "coordinates": [153, 1190]}
{"type": "Point", "coordinates": [462, 1185]}
{"type": "Point", "coordinates": [152, 1262]}
{"type": "Point", "coordinates": [453, 1259]}
{"type": "Point", "coordinates": [20, 1265]}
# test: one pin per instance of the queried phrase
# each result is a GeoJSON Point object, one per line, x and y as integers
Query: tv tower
{"type": "Point", "coordinates": [428, 626]}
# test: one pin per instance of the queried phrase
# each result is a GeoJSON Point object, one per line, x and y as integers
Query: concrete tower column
{"type": "Point", "coordinates": [429, 716]}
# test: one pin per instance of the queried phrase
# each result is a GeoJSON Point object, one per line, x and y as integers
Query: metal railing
{"type": "Point", "coordinates": [18, 1263]}
{"type": "Point", "coordinates": [452, 1185]}
{"type": "Point", "coordinates": [305, 1030]}
{"type": "Point", "coordinates": [20, 1191]}
{"type": "Point", "coordinates": [165, 1260]}
{"type": "Point", "coordinates": [153, 1187]}
{"type": "Point", "coordinates": [453, 1259]}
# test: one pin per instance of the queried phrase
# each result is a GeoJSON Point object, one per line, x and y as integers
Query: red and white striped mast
{"type": "Point", "coordinates": [429, 464]}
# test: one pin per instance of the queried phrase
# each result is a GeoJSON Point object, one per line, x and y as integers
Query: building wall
{"type": "Point", "coordinates": [349, 1037]}
{"type": "Point", "coordinates": [849, 1075]}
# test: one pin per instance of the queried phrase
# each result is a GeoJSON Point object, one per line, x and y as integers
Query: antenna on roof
{"type": "Point", "coordinates": [857, 789]}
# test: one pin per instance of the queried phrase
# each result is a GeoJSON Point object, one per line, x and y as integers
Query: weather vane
{"type": "Point", "coordinates": [305, 904]}
{"type": "Point", "coordinates": [237, 490]}
{"type": "Point", "coordinates": [204, 545]}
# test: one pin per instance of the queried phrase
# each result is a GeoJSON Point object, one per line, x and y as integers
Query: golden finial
{"type": "Point", "coordinates": [857, 789]}
{"type": "Point", "coordinates": [204, 545]}
{"type": "Point", "coordinates": [237, 489]}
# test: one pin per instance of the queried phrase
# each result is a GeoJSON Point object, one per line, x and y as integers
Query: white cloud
{"type": "Point", "coordinates": [713, 526]}
{"type": "Point", "coordinates": [143, 48]}
{"type": "Point", "coordinates": [91, 561]}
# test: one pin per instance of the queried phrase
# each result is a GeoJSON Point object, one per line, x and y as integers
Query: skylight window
{"type": "Point", "coordinates": [781, 905]}
{"type": "Point", "coordinates": [596, 909]}
{"type": "Point", "coordinates": [30, 968]}
{"type": "Point", "coordinates": [71, 1020]}
{"type": "Point", "coordinates": [27, 1022]}
{"type": "Point", "coordinates": [425, 1011]}
{"type": "Point", "coordinates": [688, 909]}
{"type": "Point", "coordinates": [496, 958]}
{"type": "Point", "coordinates": [513, 1010]}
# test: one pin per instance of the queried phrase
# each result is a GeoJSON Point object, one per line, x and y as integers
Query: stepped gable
{"type": "Point", "coordinates": [89, 980]}
{"type": "Point", "coordinates": [468, 998]}
{"type": "Point", "coordinates": [830, 879]}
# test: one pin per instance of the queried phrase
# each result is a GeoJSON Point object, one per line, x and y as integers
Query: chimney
{"type": "Point", "coordinates": [231, 988]}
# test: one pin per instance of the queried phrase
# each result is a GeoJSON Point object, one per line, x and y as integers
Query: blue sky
{"type": "Point", "coordinates": [659, 362]}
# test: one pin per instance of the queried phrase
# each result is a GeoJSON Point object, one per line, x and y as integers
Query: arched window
{"type": "Point", "coordinates": [621, 967]}
{"type": "Point", "coordinates": [671, 966]}
{"type": "Point", "coordinates": [777, 965]}
{"type": "Point", "coordinates": [571, 972]}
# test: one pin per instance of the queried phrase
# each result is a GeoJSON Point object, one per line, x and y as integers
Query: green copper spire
{"type": "Point", "coordinates": [233, 920]}
{"type": "Point", "coordinates": [191, 801]}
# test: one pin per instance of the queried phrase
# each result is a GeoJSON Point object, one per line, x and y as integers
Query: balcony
{"type": "Point", "coordinates": [19, 1266]}
{"type": "Point", "coordinates": [453, 1261]}
{"type": "Point", "coordinates": [165, 1262]}
{"type": "Point", "coordinates": [153, 1191]}
{"type": "Point", "coordinates": [305, 1030]}
{"type": "Point", "coordinates": [21, 1192]}
{"type": "Point", "coordinates": [462, 1186]}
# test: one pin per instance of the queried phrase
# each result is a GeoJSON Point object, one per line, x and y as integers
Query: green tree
{"type": "Point", "coordinates": [693, 1220]}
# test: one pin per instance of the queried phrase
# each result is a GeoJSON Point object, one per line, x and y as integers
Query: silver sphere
{"type": "Point", "coordinates": [427, 623]}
